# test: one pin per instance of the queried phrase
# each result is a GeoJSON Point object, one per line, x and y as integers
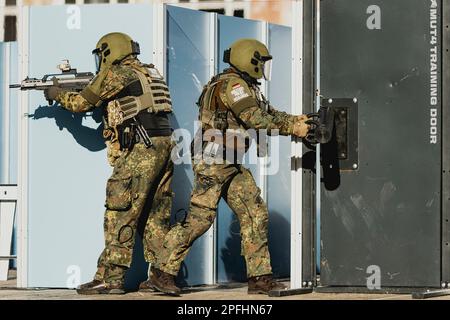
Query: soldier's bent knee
{"type": "Point", "coordinates": [200, 218]}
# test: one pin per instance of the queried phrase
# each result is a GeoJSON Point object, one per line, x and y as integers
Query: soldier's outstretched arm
{"type": "Point", "coordinates": [284, 117]}
{"type": "Point", "coordinates": [245, 107]}
{"type": "Point", "coordinates": [104, 86]}
{"type": "Point", "coordinates": [300, 126]}
{"type": "Point", "coordinates": [73, 101]}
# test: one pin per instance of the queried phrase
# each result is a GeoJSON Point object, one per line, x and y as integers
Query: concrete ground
{"type": "Point", "coordinates": [8, 291]}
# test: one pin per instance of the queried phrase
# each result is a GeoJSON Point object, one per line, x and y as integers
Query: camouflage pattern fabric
{"type": "Point", "coordinates": [135, 175]}
{"type": "Point", "coordinates": [157, 225]}
{"type": "Point", "coordinates": [236, 185]}
{"type": "Point", "coordinates": [105, 85]}
{"type": "Point", "coordinates": [246, 108]}
{"type": "Point", "coordinates": [244, 105]}
{"type": "Point", "coordinates": [139, 174]}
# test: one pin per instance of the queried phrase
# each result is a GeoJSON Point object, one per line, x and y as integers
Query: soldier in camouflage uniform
{"type": "Point", "coordinates": [231, 103]}
{"type": "Point", "coordinates": [136, 104]}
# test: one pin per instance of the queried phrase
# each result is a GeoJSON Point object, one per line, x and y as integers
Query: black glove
{"type": "Point", "coordinates": [52, 92]}
{"type": "Point", "coordinates": [321, 126]}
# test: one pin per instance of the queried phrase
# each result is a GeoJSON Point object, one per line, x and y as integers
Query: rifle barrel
{"type": "Point", "coordinates": [12, 86]}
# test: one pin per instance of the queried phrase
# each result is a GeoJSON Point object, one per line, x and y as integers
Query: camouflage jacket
{"type": "Point", "coordinates": [230, 102]}
{"type": "Point", "coordinates": [102, 89]}
{"type": "Point", "coordinates": [106, 86]}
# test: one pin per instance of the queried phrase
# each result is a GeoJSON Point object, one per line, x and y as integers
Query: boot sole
{"type": "Point", "coordinates": [113, 291]}
{"type": "Point", "coordinates": [257, 292]}
{"type": "Point", "coordinates": [170, 293]}
{"type": "Point", "coordinates": [87, 292]}
{"type": "Point", "coordinates": [260, 291]}
{"type": "Point", "coordinates": [92, 292]}
{"type": "Point", "coordinates": [150, 288]}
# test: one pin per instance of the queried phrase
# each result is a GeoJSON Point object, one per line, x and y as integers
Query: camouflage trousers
{"type": "Point", "coordinates": [236, 185]}
{"type": "Point", "coordinates": [139, 175]}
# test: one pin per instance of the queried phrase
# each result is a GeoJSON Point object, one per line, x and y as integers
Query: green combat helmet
{"type": "Point", "coordinates": [113, 48]}
{"type": "Point", "coordinates": [249, 56]}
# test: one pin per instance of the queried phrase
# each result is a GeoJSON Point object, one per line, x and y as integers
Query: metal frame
{"type": "Point", "coordinates": [8, 200]}
{"type": "Point", "coordinates": [365, 290]}
{"type": "Point", "coordinates": [430, 294]}
{"type": "Point", "coordinates": [211, 234]}
{"type": "Point", "coordinates": [416, 293]}
{"type": "Point", "coordinates": [317, 102]}
{"type": "Point", "coordinates": [159, 42]}
{"type": "Point", "coordinates": [445, 207]}
{"type": "Point", "coordinates": [4, 169]}
{"type": "Point", "coordinates": [229, 6]}
{"type": "Point", "coordinates": [308, 203]}
{"type": "Point", "coordinates": [290, 292]}
{"type": "Point", "coordinates": [302, 220]}
{"type": "Point", "coordinates": [22, 205]}
{"type": "Point", "coordinates": [262, 161]}
{"type": "Point", "coordinates": [297, 148]}
{"type": "Point", "coordinates": [301, 247]}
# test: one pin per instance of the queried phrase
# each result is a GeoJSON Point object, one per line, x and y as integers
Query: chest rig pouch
{"type": "Point", "coordinates": [215, 114]}
{"type": "Point", "coordinates": [155, 97]}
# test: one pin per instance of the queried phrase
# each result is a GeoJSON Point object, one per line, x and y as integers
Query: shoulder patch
{"type": "Point", "coordinates": [238, 92]}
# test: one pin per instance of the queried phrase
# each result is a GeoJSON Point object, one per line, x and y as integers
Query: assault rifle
{"type": "Point", "coordinates": [68, 79]}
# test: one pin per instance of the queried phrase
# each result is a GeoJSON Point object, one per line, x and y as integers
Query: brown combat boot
{"type": "Point", "coordinates": [90, 284]}
{"type": "Point", "coordinates": [263, 285]}
{"type": "Point", "coordinates": [100, 287]}
{"type": "Point", "coordinates": [147, 286]}
{"type": "Point", "coordinates": [165, 283]}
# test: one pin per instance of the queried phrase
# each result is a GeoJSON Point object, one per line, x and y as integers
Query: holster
{"type": "Point", "coordinates": [127, 137]}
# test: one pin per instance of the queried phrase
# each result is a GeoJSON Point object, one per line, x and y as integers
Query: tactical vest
{"type": "Point", "coordinates": [215, 110]}
{"type": "Point", "coordinates": [153, 102]}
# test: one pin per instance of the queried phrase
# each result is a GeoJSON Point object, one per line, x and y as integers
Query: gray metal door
{"type": "Point", "coordinates": [383, 215]}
